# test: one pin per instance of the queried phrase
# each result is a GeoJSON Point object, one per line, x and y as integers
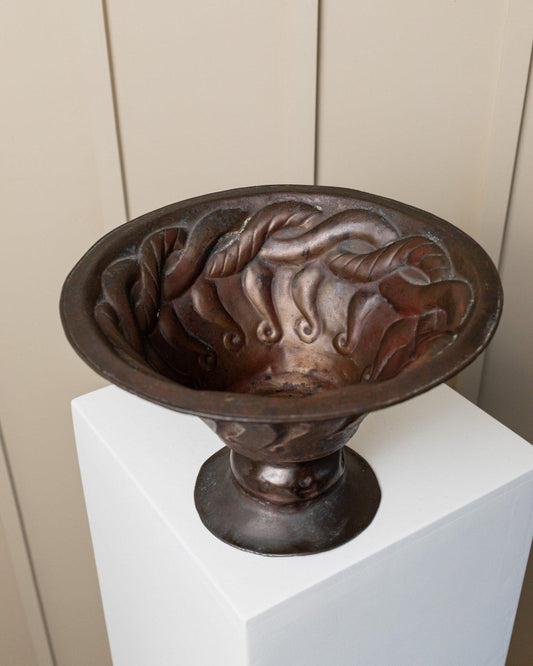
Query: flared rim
{"type": "Point", "coordinates": [80, 291]}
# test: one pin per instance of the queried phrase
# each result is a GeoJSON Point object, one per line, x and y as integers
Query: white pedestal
{"type": "Point", "coordinates": [434, 580]}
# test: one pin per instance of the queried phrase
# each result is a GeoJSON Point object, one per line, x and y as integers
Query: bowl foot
{"type": "Point", "coordinates": [307, 527]}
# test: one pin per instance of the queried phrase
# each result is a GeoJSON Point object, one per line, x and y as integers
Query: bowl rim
{"type": "Point", "coordinates": [91, 345]}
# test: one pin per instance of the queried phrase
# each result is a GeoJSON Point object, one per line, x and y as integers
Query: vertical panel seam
{"type": "Point", "coordinates": [317, 91]}
{"type": "Point", "coordinates": [50, 657]}
{"type": "Point", "coordinates": [114, 96]}
{"type": "Point", "coordinates": [527, 91]}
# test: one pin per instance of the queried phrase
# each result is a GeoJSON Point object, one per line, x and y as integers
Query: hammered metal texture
{"type": "Point", "coordinates": [282, 316]}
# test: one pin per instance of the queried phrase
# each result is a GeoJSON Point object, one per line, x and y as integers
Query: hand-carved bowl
{"type": "Point", "coordinates": [281, 316]}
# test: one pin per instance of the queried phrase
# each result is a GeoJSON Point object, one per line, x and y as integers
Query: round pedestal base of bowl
{"type": "Point", "coordinates": [312, 526]}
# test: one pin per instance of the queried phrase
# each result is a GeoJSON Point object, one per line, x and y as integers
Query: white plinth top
{"type": "Point", "coordinates": [433, 456]}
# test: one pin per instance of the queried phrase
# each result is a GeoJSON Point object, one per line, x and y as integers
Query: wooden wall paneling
{"type": "Point", "coordinates": [422, 102]}
{"type": "Point", "coordinates": [507, 117]}
{"type": "Point", "coordinates": [208, 96]}
{"type": "Point", "coordinates": [213, 95]}
{"type": "Point", "coordinates": [97, 72]}
{"type": "Point", "coordinates": [53, 210]}
{"type": "Point", "coordinates": [507, 379]}
{"type": "Point", "coordinates": [406, 100]}
{"type": "Point", "coordinates": [24, 637]}
{"type": "Point", "coordinates": [507, 382]}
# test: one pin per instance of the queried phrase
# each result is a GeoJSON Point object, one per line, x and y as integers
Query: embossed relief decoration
{"type": "Point", "coordinates": [208, 302]}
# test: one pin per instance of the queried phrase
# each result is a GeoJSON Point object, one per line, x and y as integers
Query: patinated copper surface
{"type": "Point", "coordinates": [282, 315]}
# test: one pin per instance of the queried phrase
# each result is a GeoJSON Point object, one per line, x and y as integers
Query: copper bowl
{"type": "Point", "coordinates": [281, 316]}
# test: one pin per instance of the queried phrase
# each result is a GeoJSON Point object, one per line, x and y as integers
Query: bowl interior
{"type": "Point", "coordinates": [285, 292]}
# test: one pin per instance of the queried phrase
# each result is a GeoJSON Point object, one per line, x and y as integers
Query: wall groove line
{"type": "Point", "coordinates": [13, 523]}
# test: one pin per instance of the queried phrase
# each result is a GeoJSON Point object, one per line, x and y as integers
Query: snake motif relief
{"type": "Point", "coordinates": [192, 298]}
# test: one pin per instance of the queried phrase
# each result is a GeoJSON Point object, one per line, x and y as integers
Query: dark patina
{"type": "Point", "coordinates": [281, 316]}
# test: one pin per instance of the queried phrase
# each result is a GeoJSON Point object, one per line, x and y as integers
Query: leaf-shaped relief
{"type": "Point", "coordinates": [241, 248]}
{"type": "Point", "coordinates": [107, 320]}
{"type": "Point", "coordinates": [257, 286]}
{"type": "Point", "coordinates": [130, 302]}
{"type": "Point", "coordinates": [359, 224]}
{"type": "Point", "coordinates": [208, 305]}
{"type": "Point", "coordinates": [453, 297]}
{"type": "Point", "coordinates": [149, 299]}
{"type": "Point", "coordinates": [179, 339]}
{"type": "Point", "coordinates": [396, 348]}
{"type": "Point", "coordinates": [429, 322]}
{"type": "Point", "coordinates": [411, 341]}
{"type": "Point", "coordinates": [151, 256]}
{"type": "Point", "coordinates": [430, 345]}
{"type": "Point", "coordinates": [162, 358]}
{"type": "Point", "coordinates": [305, 285]}
{"type": "Point", "coordinates": [116, 284]}
{"type": "Point", "coordinates": [183, 266]}
{"type": "Point", "coordinates": [286, 440]}
{"type": "Point", "coordinates": [418, 252]}
{"type": "Point", "coordinates": [361, 307]}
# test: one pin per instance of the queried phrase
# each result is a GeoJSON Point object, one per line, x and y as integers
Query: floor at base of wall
{"type": "Point", "coordinates": [521, 650]}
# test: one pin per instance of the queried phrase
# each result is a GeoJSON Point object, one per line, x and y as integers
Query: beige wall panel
{"type": "Point", "coordinates": [507, 384]}
{"type": "Point", "coordinates": [406, 99]}
{"type": "Point", "coordinates": [507, 380]}
{"type": "Point", "coordinates": [508, 109]}
{"type": "Point", "coordinates": [505, 132]}
{"type": "Point", "coordinates": [51, 212]}
{"type": "Point", "coordinates": [24, 579]}
{"type": "Point", "coordinates": [213, 95]}
{"type": "Point", "coordinates": [15, 641]}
